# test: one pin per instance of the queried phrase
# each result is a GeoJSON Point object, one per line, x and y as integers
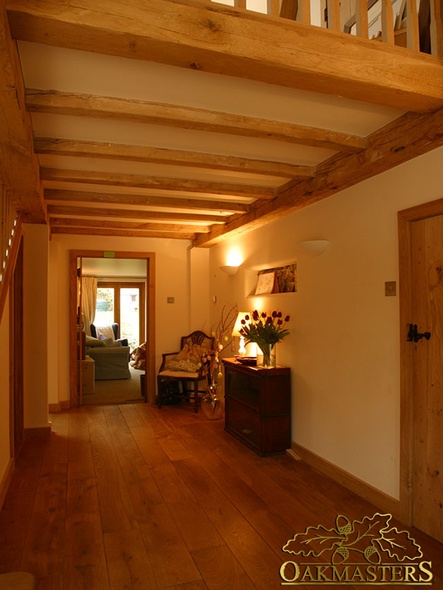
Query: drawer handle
{"type": "Point", "coordinates": [246, 431]}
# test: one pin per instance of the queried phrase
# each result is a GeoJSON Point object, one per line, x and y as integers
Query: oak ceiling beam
{"type": "Point", "coordinates": [186, 117]}
{"type": "Point", "coordinates": [157, 183]}
{"type": "Point", "coordinates": [128, 233]}
{"type": "Point", "coordinates": [18, 163]}
{"type": "Point", "coordinates": [234, 42]}
{"type": "Point", "coordinates": [58, 196]}
{"type": "Point", "coordinates": [70, 211]}
{"type": "Point", "coordinates": [404, 139]}
{"type": "Point", "coordinates": [154, 155]}
{"type": "Point", "coordinates": [141, 225]}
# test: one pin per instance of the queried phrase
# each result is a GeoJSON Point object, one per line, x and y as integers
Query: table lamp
{"type": "Point", "coordinates": [236, 332]}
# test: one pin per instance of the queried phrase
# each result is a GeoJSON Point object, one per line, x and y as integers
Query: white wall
{"type": "Point", "coordinates": [36, 350]}
{"type": "Point", "coordinates": [173, 279]}
{"type": "Point", "coordinates": [343, 348]}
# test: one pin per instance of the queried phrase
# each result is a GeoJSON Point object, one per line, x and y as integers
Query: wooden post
{"type": "Point", "coordinates": [412, 36]}
{"type": "Point", "coordinates": [304, 11]}
{"type": "Point", "coordinates": [273, 7]}
{"type": "Point", "coordinates": [289, 9]}
{"type": "Point", "coordinates": [387, 21]}
{"type": "Point", "coordinates": [333, 7]}
{"type": "Point", "coordinates": [436, 28]}
{"type": "Point", "coordinates": [361, 18]}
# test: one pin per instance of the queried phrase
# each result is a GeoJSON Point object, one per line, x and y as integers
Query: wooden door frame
{"type": "Point", "coordinates": [74, 255]}
{"type": "Point", "coordinates": [405, 220]}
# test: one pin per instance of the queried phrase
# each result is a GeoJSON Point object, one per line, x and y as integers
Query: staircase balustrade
{"type": "Point", "coordinates": [416, 25]}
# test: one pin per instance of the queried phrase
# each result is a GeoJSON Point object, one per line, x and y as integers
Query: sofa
{"type": "Point", "coordinates": [104, 332]}
{"type": "Point", "coordinates": [111, 357]}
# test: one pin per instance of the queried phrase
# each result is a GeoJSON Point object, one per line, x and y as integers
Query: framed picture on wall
{"type": "Point", "coordinates": [282, 279]}
{"type": "Point", "coordinates": [265, 283]}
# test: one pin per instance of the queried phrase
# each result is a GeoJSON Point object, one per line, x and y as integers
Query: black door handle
{"type": "Point", "coordinates": [414, 335]}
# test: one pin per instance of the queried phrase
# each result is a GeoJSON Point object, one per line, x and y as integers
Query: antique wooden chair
{"type": "Point", "coordinates": [179, 376]}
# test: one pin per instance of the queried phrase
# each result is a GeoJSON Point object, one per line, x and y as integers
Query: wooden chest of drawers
{"type": "Point", "coordinates": [258, 406]}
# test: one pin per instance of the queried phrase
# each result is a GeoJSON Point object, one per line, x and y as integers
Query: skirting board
{"type": "Point", "coordinates": [59, 407]}
{"type": "Point", "coordinates": [364, 490]}
{"type": "Point", "coordinates": [40, 432]}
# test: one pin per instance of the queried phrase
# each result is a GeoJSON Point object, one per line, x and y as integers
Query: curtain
{"type": "Point", "coordinates": [89, 300]}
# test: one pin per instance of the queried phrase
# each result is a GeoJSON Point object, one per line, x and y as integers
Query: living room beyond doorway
{"type": "Point", "coordinates": [118, 272]}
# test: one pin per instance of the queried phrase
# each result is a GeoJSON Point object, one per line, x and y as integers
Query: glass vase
{"type": "Point", "coordinates": [266, 355]}
{"type": "Point", "coordinates": [213, 402]}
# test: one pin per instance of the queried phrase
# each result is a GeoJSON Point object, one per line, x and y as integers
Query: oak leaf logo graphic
{"type": "Point", "coordinates": [360, 540]}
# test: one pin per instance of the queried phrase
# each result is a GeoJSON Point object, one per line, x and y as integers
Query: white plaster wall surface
{"type": "Point", "coordinates": [35, 326]}
{"type": "Point", "coordinates": [343, 348]}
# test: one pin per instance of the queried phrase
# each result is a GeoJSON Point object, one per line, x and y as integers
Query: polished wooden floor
{"type": "Point", "coordinates": [130, 496]}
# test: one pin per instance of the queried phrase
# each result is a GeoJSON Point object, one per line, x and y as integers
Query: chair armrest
{"type": "Point", "coordinates": [165, 355]}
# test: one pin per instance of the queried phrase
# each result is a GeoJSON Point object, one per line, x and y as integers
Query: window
{"type": "Point", "coordinates": [123, 303]}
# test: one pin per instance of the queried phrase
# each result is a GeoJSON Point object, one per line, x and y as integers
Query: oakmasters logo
{"type": "Point", "coordinates": [364, 552]}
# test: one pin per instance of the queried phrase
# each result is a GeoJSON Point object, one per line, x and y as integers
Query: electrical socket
{"type": "Point", "coordinates": [390, 288]}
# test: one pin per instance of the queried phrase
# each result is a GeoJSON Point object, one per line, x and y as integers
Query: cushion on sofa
{"type": "Point", "coordinates": [96, 343]}
{"type": "Point", "coordinates": [93, 342]}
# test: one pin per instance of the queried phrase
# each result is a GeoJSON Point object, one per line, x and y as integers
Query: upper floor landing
{"type": "Point", "coordinates": [370, 51]}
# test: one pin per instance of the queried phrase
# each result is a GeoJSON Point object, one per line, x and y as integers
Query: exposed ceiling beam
{"type": "Point", "coordinates": [58, 196]}
{"type": "Point", "coordinates": [129, 233]}
{"type": "Point", "coordinates": [219, 39]}
{"type": "Point", "coordinates": [154, 155]}
{"type": "Point", "coordinates": [18, 163]}
{"type": "Point", "coordinates": [70, 211]}
{"type": "Point", "coordinates": [86, 105]}
{"type": "Point", "coordinates": [141, 225]}
{"type": "Point", "coordinates": [157, 183]}
{"type": "Point", "coordinates": [404, 139]}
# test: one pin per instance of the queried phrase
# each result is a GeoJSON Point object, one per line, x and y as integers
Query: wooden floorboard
{"type": "Point", "coordinates": [130, 496]}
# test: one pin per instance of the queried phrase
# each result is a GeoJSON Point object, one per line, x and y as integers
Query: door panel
{"type": "Point", "coordinates": [427, 399]}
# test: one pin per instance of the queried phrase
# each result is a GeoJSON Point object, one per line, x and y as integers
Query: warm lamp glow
{"type": "Point", "coordinates": [234, 257]}
{"type": "Point", "coordinates": [236, 332]}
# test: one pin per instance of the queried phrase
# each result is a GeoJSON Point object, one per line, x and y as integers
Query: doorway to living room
{"type": "Point", "coordinates": [124, 284]}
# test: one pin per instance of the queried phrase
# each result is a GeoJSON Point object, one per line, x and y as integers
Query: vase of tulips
{"type": "Point", "coordinates": [266, 330]}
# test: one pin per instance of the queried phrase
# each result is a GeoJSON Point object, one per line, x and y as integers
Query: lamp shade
{"type": "Point", "coordinates": [229, 270]}
{"type": "Point", "coordinates": [236, 331]}
{"type": "Point", "coordinates": [314, 247]}
{"type": "Point", "coordinates": [238, 325]}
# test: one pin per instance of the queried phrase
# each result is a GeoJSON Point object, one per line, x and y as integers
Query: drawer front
{"type": "Point", "coordinates": [243, 421]}
{"type": "Point", "coordinates": [243, 388]}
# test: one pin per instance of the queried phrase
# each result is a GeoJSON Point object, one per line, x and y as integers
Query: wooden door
{"type": "Point", "coordinates": [427, 375]}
